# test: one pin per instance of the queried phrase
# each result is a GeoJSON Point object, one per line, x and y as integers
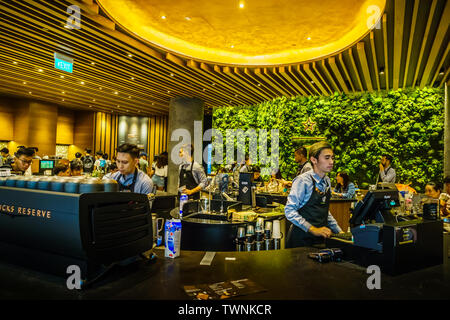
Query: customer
{"type": "Point", "coordinates": [102, 163]}
{"type": "Point", "coordinates": [88, 161]}
{"type": "Point", "coordinates": [5, 158]}
{"type": "Point", "coordinates": [344, 188]}
{"type": "Point", "coordinates": [444, 198]}
{"type": "Point", "coordinates": [112, 169]}
{"type": "Point", "coordinates": [308, 203]}
{"type": "Point", "coordinates": [129, 177]}
{"type": "Point", "coordinates": [77, 159]}
{"type": "Point", "coordinates": [143, 163]}
{"type": "Point", "coordinates": [22, 160]}
{"type": "Point", "coordinates": [76, 168]}
{"type": "Point", "coordinates": [433, 190]}
{"type": "Point", "coordinates": [387, 173]}
{"type": "Point", "coordinates": [192, 177]}
{"type": "Point", "coordinates": [300, 156]}
{"type": "Point", "coordinates": [160, 175]}
{"type": "Point", "coordinates": [62, 169]}
{"type": "Point", "coordinates": [246, 167]}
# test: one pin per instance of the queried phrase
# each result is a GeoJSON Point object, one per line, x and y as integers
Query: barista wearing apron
{"type": "Point", "coordinates": [308, 202]}
{"type": "Point", "coordinates": [128, 176]}
{"type": "Point", "coordinates": [192, 177]}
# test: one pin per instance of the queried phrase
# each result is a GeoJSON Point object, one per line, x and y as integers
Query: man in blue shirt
{"type": "Point", "coordinates": [129, 177]}
{"type": "Point", "coordinates": [308, 203]}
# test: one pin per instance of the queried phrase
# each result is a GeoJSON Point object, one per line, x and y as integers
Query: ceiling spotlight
{"type": "Point", "coordinates": [129, 97]}
{"type": "Point", "coordinates": [153, 103]}
{"type": "Point", "coordinates": [92, 63]}
{"type": "Point", "coordinates": [24, 82]}
{"type": "Point", "coordinates": [115, 92]}
{"type": "Point", "coordinates": [309, 38]}
{"type": "Point", "coordinates": [213, 84]}
{"type": "Point", "coordinates": [62, 77]}
{"type": "Point", "coordinates": [118, 106]}
{"type": "Point", "coordinates": [130, 55]}
{"type": "Point", "coordinates": [187, 18]}
{"type": "Point", "coordinates": [382, 70]}
{"type": "Point", "coordinates": [63, 92]}
{"type": "Point", "coordinates": [82, 82]}
{"type": "Point", "coordinates": [63, 100]}
{"type": "Point", "coordinates": [259, 84]}
{"type": "Point", "coordinates": [241, 5]}
{"type": "Point", "coordinates": [235, 95]}
{"type": "Point", "coordinates": [14, 62]}
{"type": "Point", "coordinates": [168, 91]}
{"type": "Point", "coordinates": [100, 88]}
{"type": "Point", "coordinates": [90, 106]}
{"type": "Point", "coordinates": [163, 17]}
{"type": "Point", "coordinates": [30, 92]}
{"type": "Point", "coordinates": [232, 46]}
{"type": "Point", "coordinates": [204, 89]}
{"type": "Point", "coordinates": [132, 78]}
{"type": "Point", "coordinates": [93, 100]}
{"type": "Point", "coordinates": [171, 74]}
{"type": "Point", "coordinates": [40, 70]}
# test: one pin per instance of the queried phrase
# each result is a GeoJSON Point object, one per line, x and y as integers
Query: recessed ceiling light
{"type": "Point", "coordinates": [259, 84]}
{"type": "Point", "coordinates": [163, 17]}
{"type": "Point", "coordinates": [63, 92]}
{"type": "Point", "coordinates": [241, 5]}
{"type": "Point", "coordinates": [171, 74]}
{"type": "Point", "coordinates": [168, 91]}
{"type": "Point", "coordinates": [93, 100]}
{"type": "Point", "coordinates": [309, 38]}
{"type": "Point", "coordinates": [187, 18]}
{"type": "Point", "coordinates": [115, 92]}
{"type": "Point", "coordinates": [130, 55]}
{"type": "Point", "coordinates": [63, 100]}
{"type": "Point", "coordinates": [129, 97]}
{"type": "Point", "coordinates": [100, 88]}
{"type": "Point", "coordinates": [40, 70]}
{"type": "Point", "coordinates": [14, 62]}
{"type": "Point", "coordinates": [153, 103]}
{"type": "Point", "coordinates": [132, 78]}
{"type": "Point", "coordinates": [312, 82]}
{"type": "Point", "coordinates": [213, 84]}
{"type": "Point", "coordinates": [441, 73]}
{"type": "Point", "coordinates": [24, 82]}
{"type": "Point", "coordinates": [204, 89]}
{"type": "Point", "coordinates": [118, 106]}
{"type": "Point", "coordinates": [235, 95]}
{"type": "Point", "coordinates": [232, 46]}
{"type": "Point", "coordinates": [82, 82]}
{"type": "Point", "coordinates": [30, 92]}
{"type": "Point", "coordinates": [61, 77]}
{"type": "Point", "coordinates": [90, 106]}
{"type": "Point", "coordinates": [93, 63]}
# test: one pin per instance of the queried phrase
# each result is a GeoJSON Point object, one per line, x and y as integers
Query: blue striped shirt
{"type": "Point", "coordinates": [301, 191]}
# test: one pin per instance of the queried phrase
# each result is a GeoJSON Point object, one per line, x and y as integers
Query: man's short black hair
{"type": "Point", "coordinates": [5, 150]}
{"type": "Point", "coordinates": [99, 153]}
{"type": "Point", "coordinates": [29, 152]}
{"type": "Point", "coordinates": [88, 150]}
{"type": "Point", "coordinates": [75, 165]}
{"type": "Point", "coordinates": [105, 156]}
{"type": "Point", "coordinates": [388, 157]}
{"type": "Point", "coordinates": [436, 185]}
{"type": "Point", "coordinates": [78, 155]}
{"type": "Point", "coordinates": [302, 150]}
{"type": "Point", "coordinates": [129, 148]}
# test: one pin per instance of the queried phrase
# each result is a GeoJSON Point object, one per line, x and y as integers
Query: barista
{"type": "Point", "coordinates": [128, 176]}
{"type": "Point", "coordinates": [308, 202]}
{"type": "Point", "coordinates": [192, 177]}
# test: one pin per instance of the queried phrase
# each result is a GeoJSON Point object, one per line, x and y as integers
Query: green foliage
{"type": "Point", "coordinates": [408, 124]}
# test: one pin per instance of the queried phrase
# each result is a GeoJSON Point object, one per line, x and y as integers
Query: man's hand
{"type": "Point", "coordinates": [320, 232]}
{"type": "Point", "coordinates": [187, 191]}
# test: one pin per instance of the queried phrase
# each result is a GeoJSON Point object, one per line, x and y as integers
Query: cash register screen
{"type": "Point", "coordinates": [46, 164]}
{"type": "Point", "coordinates": [374, 206]}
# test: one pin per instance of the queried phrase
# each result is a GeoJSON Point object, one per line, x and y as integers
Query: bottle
{"type": "Point", "coordinates": [183, 199]}
{"type": "Point", "coordinates": [172, 238]}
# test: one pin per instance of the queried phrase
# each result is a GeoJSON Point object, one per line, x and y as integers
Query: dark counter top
{"type": "Point", "coordinates": [285, 274]}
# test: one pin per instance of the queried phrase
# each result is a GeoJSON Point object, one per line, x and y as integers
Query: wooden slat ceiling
{"type": "Point", "coordinates": [114, 71]}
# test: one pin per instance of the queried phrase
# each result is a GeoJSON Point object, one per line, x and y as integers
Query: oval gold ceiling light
{"type": "Point", "coordinates": [264, 30]}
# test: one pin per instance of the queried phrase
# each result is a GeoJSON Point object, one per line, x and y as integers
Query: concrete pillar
{"type": "Point", "coordinates": [446, 131]}
{"type": "Point", "coordinates": [185, 117]}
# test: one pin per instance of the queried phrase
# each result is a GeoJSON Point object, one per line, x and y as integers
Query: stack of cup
{"type": "Point", "coordinates": [259, 234]}
{"type": "Point", "coordinates": [240, 239]}
{"type": "Point", "coordinates": [268, 241]}
{"type": "Point", "coordinates": [276, 235]}
{"type": "Point", "coordinates": [250, 238]}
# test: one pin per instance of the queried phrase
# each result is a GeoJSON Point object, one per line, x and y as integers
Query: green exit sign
{"type": "Point", "coordinates": [63, 62]}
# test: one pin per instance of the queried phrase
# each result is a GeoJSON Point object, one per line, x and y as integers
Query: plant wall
{"type": "Point", "coordinates": [408, 124]}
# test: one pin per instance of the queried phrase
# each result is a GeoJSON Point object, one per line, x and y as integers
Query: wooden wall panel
{"type": "Point", "coordinates": [42, 127]}
{"type": "Point", "coordinates": [157, 136]}
{"type": "Point", "coordinates": [6, 120]}
{"type": "Point", "coordinates": [65, 126]}
{"type": "Point", "coordinates": [105, 133]}
{"type": "Point", "coordinates": [83, 133]}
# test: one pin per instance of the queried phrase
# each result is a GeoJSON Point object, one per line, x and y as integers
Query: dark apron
{"type": "Point", "coordinates": [130, 187]}
{"type": "Point", "coordinates": [187, 179]}
{"type": "Point", "coordinates": [315, 211]}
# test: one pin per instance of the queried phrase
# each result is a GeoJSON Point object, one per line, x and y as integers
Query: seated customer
{"type": "Point", "coordinates": [444, 198]}
{"type": "Point", "coordinates": [344, 188]}
{"type": "Point", "coordinates": [62, 169]}
{"type": "Point", "coordinates": [257, 179]}
{"type": "Point", "coordinates": [433, 190]}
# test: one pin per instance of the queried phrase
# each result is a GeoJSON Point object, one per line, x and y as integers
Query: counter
{"type": "Point", "coordinates": [286, 274]}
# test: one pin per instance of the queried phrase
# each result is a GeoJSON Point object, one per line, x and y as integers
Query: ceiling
{"type": "Point", "coordinates": [116, 70]}
{"type": "Point", "coordinates": [247, 32]}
